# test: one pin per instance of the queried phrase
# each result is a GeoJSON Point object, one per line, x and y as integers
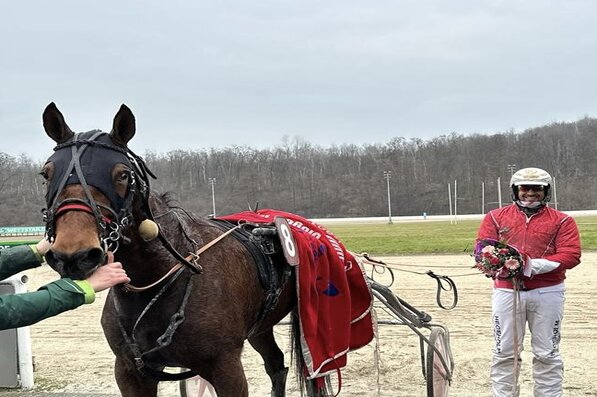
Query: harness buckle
{"type": "Point", "coordinates": [139, 363]}
{"type": "Point", "coordinates": [195, 261]}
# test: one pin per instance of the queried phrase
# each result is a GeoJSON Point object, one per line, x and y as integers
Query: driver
{"type": "Point", "coordinates": [551, 242]}
{"type": "Point", "coordinates": [20, 310]}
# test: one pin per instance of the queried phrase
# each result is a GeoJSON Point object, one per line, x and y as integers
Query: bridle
{"type": "Point", "coordinates": [109, 227]}
{"type": "Point", "coordinates": [120, 211]}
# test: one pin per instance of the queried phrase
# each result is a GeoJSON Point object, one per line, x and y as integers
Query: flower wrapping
{"type": "Point", "coordinates": [497, 259]}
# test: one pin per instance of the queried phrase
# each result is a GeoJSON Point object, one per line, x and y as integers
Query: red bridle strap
{"type": "Point", "coordinates": [79, 207]}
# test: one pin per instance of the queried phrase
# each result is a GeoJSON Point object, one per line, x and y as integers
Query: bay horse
{"type": "Point", "coordinates": [186, 306]}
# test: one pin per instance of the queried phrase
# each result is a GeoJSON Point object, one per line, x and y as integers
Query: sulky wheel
{"type": "Point", "coordinates": [438, 377]}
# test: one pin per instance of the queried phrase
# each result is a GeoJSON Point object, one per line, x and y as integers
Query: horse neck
{"type": "Point", "coordinates": [145, 261]}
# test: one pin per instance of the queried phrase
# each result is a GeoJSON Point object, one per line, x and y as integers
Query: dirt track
{"type": "Point", "coordinates": [71, 355]}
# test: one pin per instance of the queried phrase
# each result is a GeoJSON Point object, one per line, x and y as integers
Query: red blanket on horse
{"type": "Point", "coordinates": [334, 299]}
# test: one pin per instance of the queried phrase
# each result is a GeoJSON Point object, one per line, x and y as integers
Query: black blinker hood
{"type": "Point", "coordinates": [97, 162]}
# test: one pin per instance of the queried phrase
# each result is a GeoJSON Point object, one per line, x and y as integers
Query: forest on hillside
{"type": "Point", "coordinates": [349, 180]}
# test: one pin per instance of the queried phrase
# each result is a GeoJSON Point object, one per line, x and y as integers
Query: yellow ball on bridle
{"type": "Point", "coordinates": [148, 230]}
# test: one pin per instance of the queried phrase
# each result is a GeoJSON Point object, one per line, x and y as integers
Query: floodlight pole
{"type": "Point", "coordinates": [450, 202]}
{"type": "Point", "coordinates": [387, 176]}
{"type": "Point", "coordinates": [212, 182]}
{"type": "Point", "coordinates": [455, 201]}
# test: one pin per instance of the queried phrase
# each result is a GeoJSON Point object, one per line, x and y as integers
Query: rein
{"type": "Point", "coordinates": [193, 257]}
{"type": "Point", "coordinates": [444, 283]}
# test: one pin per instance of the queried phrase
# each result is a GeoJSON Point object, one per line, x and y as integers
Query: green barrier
{"type": "Point", "coordinates": [22, 230]}
{"type": "Point", "coordinates": [6, 244]}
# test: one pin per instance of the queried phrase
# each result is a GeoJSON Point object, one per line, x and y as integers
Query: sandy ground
{"type": "Point", "coordinates": [70, 352]}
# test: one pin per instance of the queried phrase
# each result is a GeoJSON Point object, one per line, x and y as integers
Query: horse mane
{"type": "Point", "coordinates": [172, 205]}
{"type": "Point", "coordinates": [170, 200]}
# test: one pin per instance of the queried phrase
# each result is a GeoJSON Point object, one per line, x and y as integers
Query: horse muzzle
{"type": "Point", "coordinates": [77, 266]}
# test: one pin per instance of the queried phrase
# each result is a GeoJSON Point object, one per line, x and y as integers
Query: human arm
{"type": "Point", "coordinates": [59, 296]}
{"type": "Point", "coordinates": [567, 250]}
{"type": "Point", "coordinates": [20, 310]}
{"type": "Point", "coordinates": [17, 259]}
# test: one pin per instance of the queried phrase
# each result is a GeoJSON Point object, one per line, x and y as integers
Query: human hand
{"type": "Point", "coordinates": [542, 265]}
{"type": "Point", "coordinates": [108, 275]}
{"type": "Point", "coordinates": [43, 246]}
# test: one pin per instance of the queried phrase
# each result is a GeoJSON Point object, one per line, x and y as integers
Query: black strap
{"type": "Point", "coordinates": [163, 340]}
{"type": "Point", "coordinates": [448, 286]}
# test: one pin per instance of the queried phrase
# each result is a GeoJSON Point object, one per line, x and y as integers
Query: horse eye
{"type": "Point", "coordinates": [44, 174]}
{"type": "Point", "coordinates": [123, 177]}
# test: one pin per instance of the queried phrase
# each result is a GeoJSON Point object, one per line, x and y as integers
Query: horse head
{"type": "Point", "coordinates": [92, 179]}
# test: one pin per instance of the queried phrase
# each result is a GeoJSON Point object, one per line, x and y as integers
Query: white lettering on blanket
{"type": "Point", "coordinates": [299, 225]}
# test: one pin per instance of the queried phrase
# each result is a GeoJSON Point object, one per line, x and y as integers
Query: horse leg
{"type": "Point", "coordinates": [131, 382]}
{"type": "Point", "coordinates": [227, 375]}
{"type": "Point", "coordinates": [265, 344]}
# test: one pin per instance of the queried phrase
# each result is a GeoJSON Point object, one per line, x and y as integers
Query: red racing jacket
{"type": "Point", "coordinates": [548, 234]}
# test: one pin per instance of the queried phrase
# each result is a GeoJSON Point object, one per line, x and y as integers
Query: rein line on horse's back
{"type": "Point", "coordinates": [192, 257]}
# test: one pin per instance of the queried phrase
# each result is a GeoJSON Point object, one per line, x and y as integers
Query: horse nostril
{"type": "Point", "coordinates": [96, 256]}
{"type": "Point", "coordinates": [55, 261]}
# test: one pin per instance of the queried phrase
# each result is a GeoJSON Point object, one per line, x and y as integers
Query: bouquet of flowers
{"type": "Point", "coordinates": [496, 259]}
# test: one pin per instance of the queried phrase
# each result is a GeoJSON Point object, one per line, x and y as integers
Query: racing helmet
{"type": "Point", "coordinates": [531, 176]}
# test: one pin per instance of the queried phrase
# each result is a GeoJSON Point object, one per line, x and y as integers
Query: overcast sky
{"type": "Point", "coordinates": [215, 74]}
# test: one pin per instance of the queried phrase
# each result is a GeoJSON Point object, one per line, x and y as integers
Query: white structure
{"type": "Point", "coordinates": [16, 362]}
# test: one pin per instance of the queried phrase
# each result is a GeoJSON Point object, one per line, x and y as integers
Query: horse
{"type": "Point", "coordinates": [195, 293]}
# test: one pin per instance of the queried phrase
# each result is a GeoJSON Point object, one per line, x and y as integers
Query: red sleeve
{"type": "Point", "coordinates": [567, 245]}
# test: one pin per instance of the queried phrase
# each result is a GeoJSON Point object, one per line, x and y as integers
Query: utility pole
{"type": "Point", "coordinates": [511, 169]}
{"type": "Point", "coordinates": [387, 176]}
{"type": "Point", "coordinates": [212, 182]}
{"type": "Point", "coordinates": [482, 197]}
{"type": "Point", "coordinates": [555, 194]}
{"type": "Point", "coordinates": [499, 186]}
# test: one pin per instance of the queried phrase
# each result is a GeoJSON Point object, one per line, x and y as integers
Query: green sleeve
{"type": "Point", "coordinates": [87, 290]}
{"type": "Point", "coordinates": [17, 259]}
{"type": "Point", "coordinates": [20, 310]}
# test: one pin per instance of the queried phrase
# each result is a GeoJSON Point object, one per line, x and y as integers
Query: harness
{"type": "Point", "coordinates": [75, 164]}
{"type": "Point", "coordinates": [262, 242]}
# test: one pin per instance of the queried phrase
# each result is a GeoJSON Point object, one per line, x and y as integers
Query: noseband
{"type": "Point", "coordinates": [119, 212]}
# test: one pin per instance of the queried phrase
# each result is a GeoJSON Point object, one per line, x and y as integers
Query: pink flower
{"type": "Point", "coordinates": [489, 249]}
{"type": "Point", "coordinates": [512, 264]}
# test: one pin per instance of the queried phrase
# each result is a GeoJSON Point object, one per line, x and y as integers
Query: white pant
{"type": "Point", "coordinates": [543, 310]}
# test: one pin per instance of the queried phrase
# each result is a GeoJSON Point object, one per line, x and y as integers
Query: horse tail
{"type": "Point", "coordinates": [318, 387]}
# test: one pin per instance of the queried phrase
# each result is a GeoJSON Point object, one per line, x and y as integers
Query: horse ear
{"type": "Point", "coordinates": [124, 128]}
{"type": "Point", "coordinates": [55, 125]}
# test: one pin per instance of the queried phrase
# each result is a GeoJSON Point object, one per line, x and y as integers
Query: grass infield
{"type": "Point", "coordinates": [406, 238]}
{"type": "Point", "coordinates": [429, 237]}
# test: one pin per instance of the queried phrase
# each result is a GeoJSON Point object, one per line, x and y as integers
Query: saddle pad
{"type": "Point", "coordinates": [334, 299]}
